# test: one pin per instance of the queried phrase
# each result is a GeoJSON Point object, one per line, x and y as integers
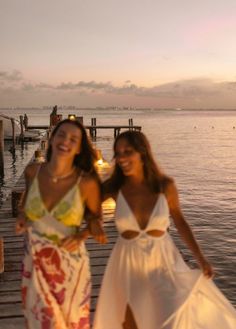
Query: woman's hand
{"type": "Point", "coordinates": [96, 230]}
{"type": "Point", "coordinates": [21, 225]}
{"type": "Point", "coordinates": [206, 268]}
{"type": "Point", "coordinates": [72, 243]}
{"type": "Point", "coordinates": [90, 190]}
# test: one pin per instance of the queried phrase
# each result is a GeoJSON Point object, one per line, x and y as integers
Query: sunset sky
{"type": "Point", "coordinates": [140, 53]}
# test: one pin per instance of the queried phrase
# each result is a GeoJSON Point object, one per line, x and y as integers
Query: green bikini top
{"type": "Point", "coordinates": [69, 210]}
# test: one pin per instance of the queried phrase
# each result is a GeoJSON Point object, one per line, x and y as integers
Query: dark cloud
{"type": "Point", "coordinates": [190, 89]}
{"type": "Point", "coordinates": [183, 88]}
{"type": "Point", "coordinates": [91, 85]}
{"type": "Point", "coordinates": [13, 76]}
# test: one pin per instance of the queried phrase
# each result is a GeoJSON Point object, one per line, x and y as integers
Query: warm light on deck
{"type": "Point", "coordinates": [109, 205]}
{"type": "Point", "coordinates": [100, 162]}
{"type": "Point", "coordinates": [71, 117]}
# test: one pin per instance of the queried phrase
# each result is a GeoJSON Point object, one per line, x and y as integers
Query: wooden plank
{"type": "Point", "coordinates": [10, 309]}
{"type": "Point", "coordinates": [10, 286]}
{"type": "Point", "coordinates": [1, 255]}
{"type": "Point", "coordinates": [13, 297]}
{"type": "Point", "coordinates": [12, 323]}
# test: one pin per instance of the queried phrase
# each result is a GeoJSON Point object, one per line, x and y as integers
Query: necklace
{"type": "Point", "coordinates": [56, 179]}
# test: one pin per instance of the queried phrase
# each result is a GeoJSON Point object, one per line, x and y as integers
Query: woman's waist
{"type": "Point", "coordinates": [36, 242]}
{"type": "Point", "coordinates": [132, 236]}
{"type": "Point", "coordinates": [51, 228]}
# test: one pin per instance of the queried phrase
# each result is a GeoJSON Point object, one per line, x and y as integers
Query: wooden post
{"type": "Point", "coordinates": [1, 256]}
{"type": "Point", "coordinates": [131, 124]}
{"type": "Point", "coordinates": [80, 119]}
{"type": "Point", "coordinates": [1, 148]}
{"type": "Point", "coordinates": [25, 121]}
{"type": "Point", "coordinates": [48, 133]}
{"type": "Point", "coordinates": [116, 132]}
{"type": "Point", "coordinates": [16, 200]}
{"type": "Point", "coordinates": [94, 123]}
{"type": "Point", "coordinates": [21, 128]}
{"type": "Point", "coordinates": [43, 144]}
{"type": "Point", "coordinates": [13, 134]}
{"type": "Point", "coordinates": [93, 131]}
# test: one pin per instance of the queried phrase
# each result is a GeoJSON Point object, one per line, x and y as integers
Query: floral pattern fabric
{"type": "Point", "coordinates": [56, 285]}
{"type": "Point", "coordinates": [69, 210]}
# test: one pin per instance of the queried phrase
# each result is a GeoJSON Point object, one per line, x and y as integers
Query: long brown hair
{"type": "Point", "coordinates": [85, 160]}
{"type": "Point", "coordinates": [155, 179]}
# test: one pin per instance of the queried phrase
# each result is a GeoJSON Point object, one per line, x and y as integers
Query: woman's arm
{"type": "Point", "coordinates": [92, 195]}
{"type": "Point", "coordinates": [184, 229]}
{"type": "Point", "coordinates": [30, 172]}
{"type": "Point", "coordinates": [107, 191]}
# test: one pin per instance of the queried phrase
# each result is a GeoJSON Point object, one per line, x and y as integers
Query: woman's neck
{"type": "Point", "coordinates": [59, 167]}
{"type": "Point", "coordinates": [135, 180]}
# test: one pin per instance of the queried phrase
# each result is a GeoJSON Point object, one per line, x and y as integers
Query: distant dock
{"type": "Point", "coordinates": [55, 118]}
{"type": "Point", "coordinates": [93, 128]}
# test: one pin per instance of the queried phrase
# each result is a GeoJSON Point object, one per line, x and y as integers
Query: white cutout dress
{"type": "Point", "coordinates": [148, 274]}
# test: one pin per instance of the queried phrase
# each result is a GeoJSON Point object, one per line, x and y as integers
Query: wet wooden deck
{"type": "Point", "coordinates": [11, 316]}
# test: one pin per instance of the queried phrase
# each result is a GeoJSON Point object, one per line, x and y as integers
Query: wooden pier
{"type": "Point", "coordinates": [11, 316]}
{"type": "Point", "coordinates": [93, 128]}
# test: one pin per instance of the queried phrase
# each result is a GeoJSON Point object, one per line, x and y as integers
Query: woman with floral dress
{"type": "Point", "coordinates": [56, 273]}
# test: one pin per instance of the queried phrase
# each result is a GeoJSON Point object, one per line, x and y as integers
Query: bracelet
{"type": "Point", "coordinates": [93, 218]}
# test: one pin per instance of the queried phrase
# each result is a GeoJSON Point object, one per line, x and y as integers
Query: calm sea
{"type": "Point", "coordinates": [198, 149]}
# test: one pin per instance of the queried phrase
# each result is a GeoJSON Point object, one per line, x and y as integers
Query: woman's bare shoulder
{"type": "Point", "coordinates": [168, 186]}
{"type": "Point", "coordinates": [31, 170]}
{"type": "Point", "coordinates": [171, 194]}
{"type": "Point", "coordinates": [89, 180]}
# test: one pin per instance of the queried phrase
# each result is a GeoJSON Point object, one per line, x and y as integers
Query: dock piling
{"type": "Point", "coordinates": [25, 121]}
{"type": "Point", "coordinates": [1, 255]}
{"type": "Point", "coordinates": [13, 134]}
{"type": "Point", "coordinates": [16, 199]}
{"type": "Point", "coordinates": [1, 148]}
{"type": "Point", "coordinates": [93, 129]}
{"type": "Point", "coordinates": [131, 124]}
{"type": "Point", "coordinates": [80, 119]}
{"type": "Point", "coordinates": [21, 128]}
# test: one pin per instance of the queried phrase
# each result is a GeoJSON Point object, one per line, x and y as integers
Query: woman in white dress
{"type": "Point", "coordinates": [147, 284]}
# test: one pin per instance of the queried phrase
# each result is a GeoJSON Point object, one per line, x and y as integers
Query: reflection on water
{"type": "Point", "coordinates": [14, 164]}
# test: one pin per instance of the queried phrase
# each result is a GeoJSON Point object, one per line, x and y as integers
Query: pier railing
{"type": "Point", "coordinates": [93, 128]}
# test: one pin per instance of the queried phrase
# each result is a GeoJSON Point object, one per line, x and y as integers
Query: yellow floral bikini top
{"type": "Point", "coordinates": [69, 210]}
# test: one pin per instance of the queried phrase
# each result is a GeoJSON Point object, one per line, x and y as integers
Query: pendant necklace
{"type": "Point", "coordinates": [56, 179]}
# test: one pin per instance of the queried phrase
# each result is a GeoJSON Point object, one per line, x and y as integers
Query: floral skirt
{"type": "Point", "coordinates": [56, 286]}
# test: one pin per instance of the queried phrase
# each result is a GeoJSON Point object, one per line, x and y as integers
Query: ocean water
{"type": "Point", "coordinates": [14, 164]}
{"type": "Point", "coordinates": [196, 148]}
